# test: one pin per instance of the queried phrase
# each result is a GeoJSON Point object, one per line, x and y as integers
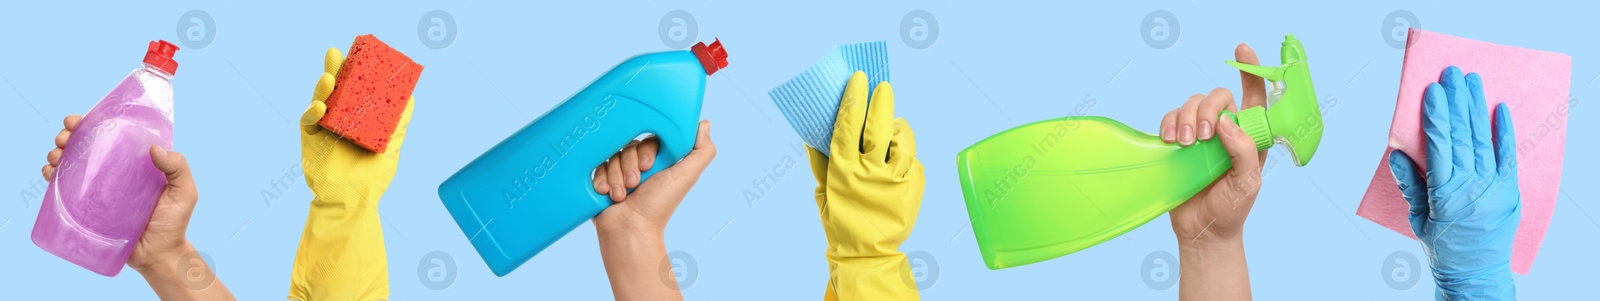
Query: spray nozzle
{"type": "Point", "coordinates": [1295, 118]}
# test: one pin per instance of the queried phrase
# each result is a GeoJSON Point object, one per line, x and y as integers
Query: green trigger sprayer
{"type": "Point", "coordinates": [1053, 187]}
{"type": "Point", "coordinates": [1297, 123]}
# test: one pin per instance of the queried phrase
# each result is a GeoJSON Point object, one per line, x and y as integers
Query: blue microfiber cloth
{"type": "Point", "coordinates": [811, 100]}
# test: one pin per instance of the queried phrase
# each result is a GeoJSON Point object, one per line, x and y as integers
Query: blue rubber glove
{"type": "Point", "coordinates": [1467, 209]}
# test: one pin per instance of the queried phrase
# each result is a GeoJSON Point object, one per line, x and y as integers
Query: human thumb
{"type": "Point", "coordinates": [1241, 148]}
{"type": "Point", "coordinates": [700, 156]}
{"type": "Point", "coordinates": [1412, 187]}
{"type": "Point", "coordinates": [180, 182]}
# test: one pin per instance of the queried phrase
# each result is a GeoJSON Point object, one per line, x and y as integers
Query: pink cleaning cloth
{"type": "Point", "coordinates": [1535, 84]}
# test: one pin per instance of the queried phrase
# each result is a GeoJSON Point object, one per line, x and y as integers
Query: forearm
{"type": "Point", "coordinates": [341, 255]}
{"type": "Point", "coordinates": [635, 264]}
{"type": "Point", "coordinates": [1213, 270]}
{"type": "Point", "coordinates": [1496, 287]}
{"type": "Point", "coordinates": [1489, 282]}
{"type": "Point", "coordinates": [171, 283]}
{"type": "Point", "coordinates": [1472, 259]}
{"type": "Point", "coordinates": [880, 277]}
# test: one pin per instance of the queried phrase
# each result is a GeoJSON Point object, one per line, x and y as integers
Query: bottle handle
{"type": "Point", "coordinates": [676, 143]}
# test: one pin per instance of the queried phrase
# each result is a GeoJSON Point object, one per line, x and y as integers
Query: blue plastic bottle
{"type": "Point", "coordinates": [533, 188]}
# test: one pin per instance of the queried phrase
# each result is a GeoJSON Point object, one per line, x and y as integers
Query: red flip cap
{"type": "Point", "coordinates": [160, 56]}
{"type": "Point", "coordinates": [712, 57]}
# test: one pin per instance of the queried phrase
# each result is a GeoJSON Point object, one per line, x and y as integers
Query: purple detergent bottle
{"type": "Point", "coordinates": [105, 185]}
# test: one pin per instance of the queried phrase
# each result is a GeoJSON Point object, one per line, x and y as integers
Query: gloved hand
{"type": "Point", "coordinates": [868, 194]}
{"type": "Point", "coordinates": [341, 254]}
{"type": "Point", "coordinates": [1466, 208]}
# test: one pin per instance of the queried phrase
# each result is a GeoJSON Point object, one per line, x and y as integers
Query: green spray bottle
{"type": "Point", "coordinates": [1050, 188]}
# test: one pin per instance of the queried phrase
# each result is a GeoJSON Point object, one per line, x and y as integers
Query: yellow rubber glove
{"type": "Point", "coordinates": [868, 195]}
{"type": "Point", "coordinates": [341, 254]}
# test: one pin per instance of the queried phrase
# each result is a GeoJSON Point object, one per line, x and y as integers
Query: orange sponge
{"type": "Point", "coordinates": [373, 87]}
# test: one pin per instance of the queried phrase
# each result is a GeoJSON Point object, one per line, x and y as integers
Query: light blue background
{"type": "Point", "coordinates": [995, 65]}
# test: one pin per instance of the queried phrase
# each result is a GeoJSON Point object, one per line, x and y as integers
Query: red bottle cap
{"type": "Point", "coordinates": [712, 57]}
{"type": "Point", "coordinates": [160, 56]}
